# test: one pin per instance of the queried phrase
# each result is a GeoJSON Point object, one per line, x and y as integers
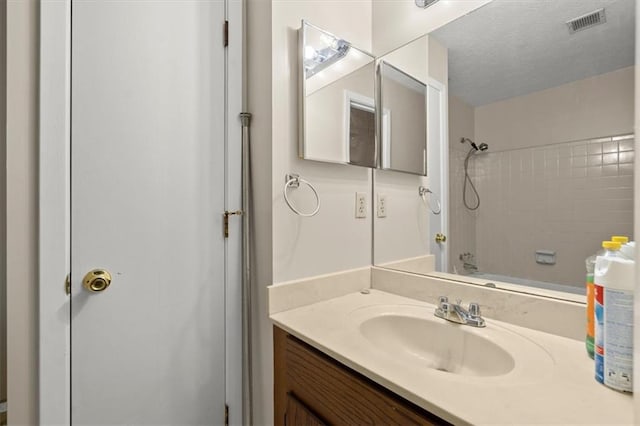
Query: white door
{"type": "Point", "coordinates": [147, 179]}
{"type": "Point", "coordinates": [437, 169]}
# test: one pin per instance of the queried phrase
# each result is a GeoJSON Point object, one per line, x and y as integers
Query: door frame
{"type": "Point", "coordinates": [439, 167]}
{"type": "Point", "coordinates": [54, 390]}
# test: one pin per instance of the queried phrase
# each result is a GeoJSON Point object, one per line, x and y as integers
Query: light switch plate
{"type": "Point", "coordinates": [361, 205]}
{"type": "Point", "coordinates": [382, 205]}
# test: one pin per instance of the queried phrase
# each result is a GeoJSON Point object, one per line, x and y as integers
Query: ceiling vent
{"type": "Point", "coordinates": [587, 21]}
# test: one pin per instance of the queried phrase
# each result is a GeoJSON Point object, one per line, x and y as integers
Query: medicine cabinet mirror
{"type": "Point", "coordinates": [403, 124]}
{"type": "Point", "coordinates": [340, 97]}
{"type": "Point", "coordinates": [549, 106]}
{"type": "Point", "coordinates": [337, 106]}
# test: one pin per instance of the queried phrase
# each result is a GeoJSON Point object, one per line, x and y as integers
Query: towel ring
{"type": "Point", "coordinates": [293, 180]}
{"type": "Point", "coordinates": [422, 191]}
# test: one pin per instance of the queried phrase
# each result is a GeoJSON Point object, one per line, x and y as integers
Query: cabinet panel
{"type": "Point", "coordinates": [298, 414]}
{"type": "Point", "coordinates": [335, 393]}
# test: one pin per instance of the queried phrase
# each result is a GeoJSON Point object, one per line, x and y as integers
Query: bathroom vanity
{"type": "Point", "coordinates": [373, 357]}
{"type": "Point", "coordinates": [312, 388]}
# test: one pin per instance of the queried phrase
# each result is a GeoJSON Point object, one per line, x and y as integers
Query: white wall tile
{"type": "Point", "coordinates": [565, 197]}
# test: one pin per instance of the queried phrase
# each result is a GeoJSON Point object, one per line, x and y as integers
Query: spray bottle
{"type": "Point", "coordinates": [613, 308]}
{"type": "Point", "coordinates": [591, 265]}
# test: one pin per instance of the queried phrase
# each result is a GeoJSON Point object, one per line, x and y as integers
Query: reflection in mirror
{"type": "Point", "coordinates": [360, 125]}
{"type": "Point", "coordinates": [337, 106]}
{"type": "Point", "coordinates": [401, 232]}
{"type": "Point", "coordinates": [404, 121]}
{"type": "Point", "coordinates": [556, 109]}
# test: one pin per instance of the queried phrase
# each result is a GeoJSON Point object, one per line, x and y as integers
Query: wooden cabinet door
{"type": "Point", "coordinates": [299, 414]}
{"type": "Point", "coordinates": [333, 392]}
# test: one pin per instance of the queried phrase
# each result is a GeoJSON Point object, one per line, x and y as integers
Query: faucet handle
{"type": "Point", "coordinates": [474, 310]}
{"type": "Point", "coordinates": [443, 306]}
{"type": "Point", "coordinates": [459, 302]}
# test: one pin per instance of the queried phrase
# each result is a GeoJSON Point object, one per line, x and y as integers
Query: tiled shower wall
{"type": "Point", "coordinates": [462, 222]}
{"type": "Point", "coordinates": [565, 197]}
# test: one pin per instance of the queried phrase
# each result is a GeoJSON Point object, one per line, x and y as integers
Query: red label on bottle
{"type": "Point", "coordinates": [599, 294]}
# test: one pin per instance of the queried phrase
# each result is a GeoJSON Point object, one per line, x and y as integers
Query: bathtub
{"type": "Point", "coordinates": [526, 282]}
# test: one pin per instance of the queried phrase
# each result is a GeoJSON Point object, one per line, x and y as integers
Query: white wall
{"type": "Point", "coordinates": [438, 63]}
{"type": "Point", "coordinates": [411, 58]}
{"type": "Point", "coordinates": [584, 109]}
{"type": "Point", "coordinates": [397, 22]}
{"type": "Point", "coordinates": [461, 123]}
{"type": "Point", "coordinates": [21, 155]}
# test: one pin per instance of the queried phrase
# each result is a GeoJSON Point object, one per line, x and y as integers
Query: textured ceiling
{"type": "Point", "coordinates": [513, 47]}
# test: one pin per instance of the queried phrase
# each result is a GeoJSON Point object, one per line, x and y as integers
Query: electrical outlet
{"type": "Point", "coordinates": [382, 205]}
{"type": "Point", "coordinates": [361, 204]}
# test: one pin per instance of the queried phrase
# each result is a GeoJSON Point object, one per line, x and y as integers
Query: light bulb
{"type": "Point", "coordinates": [310, 53]}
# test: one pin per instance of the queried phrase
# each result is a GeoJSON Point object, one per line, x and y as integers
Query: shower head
{"type": "Point", "coordinates": [482, 147]}
{"type": "Point", "coordinates": [472, 143]}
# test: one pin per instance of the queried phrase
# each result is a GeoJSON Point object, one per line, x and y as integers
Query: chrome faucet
{"type": "Point", "coordinates": [454, 312]}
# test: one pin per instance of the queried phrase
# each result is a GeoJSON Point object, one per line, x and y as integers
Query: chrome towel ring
{"type": "Point", "coordinates": [293, 180]}
{"type": "Point", "coordinates": [423, 191]}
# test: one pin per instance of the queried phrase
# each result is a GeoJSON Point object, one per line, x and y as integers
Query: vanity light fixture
{"type": "Point", "coordinates": [315, 60]}
{"type": "Point", "coordinates": [425, 3]}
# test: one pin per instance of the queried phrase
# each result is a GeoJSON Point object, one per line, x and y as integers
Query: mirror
{"type": "Point", "coordinates": [403, 122]}
{"type": "Point", "coordinates": [337, 106]}
{"type": "Point", "coordinates": [540, 143]}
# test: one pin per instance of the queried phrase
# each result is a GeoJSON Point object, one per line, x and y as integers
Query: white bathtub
{"type": "Point", "coordinates": [531, 283]}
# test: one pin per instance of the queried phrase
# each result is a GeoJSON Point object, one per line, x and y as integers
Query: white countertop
{"type": "Point", "coordinates": [566, 392]}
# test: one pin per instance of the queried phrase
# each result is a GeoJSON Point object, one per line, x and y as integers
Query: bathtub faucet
{"type": "Point", "coordinates": [470, 267]}
{"type": "Point", "coordinates": [454, 312]}
{"type": "Point", "coordinates": [468, 262]}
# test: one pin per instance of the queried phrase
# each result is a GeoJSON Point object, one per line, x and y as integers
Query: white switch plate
{"type": "Point", "coordinates": [382, 205]}
{"type": "Point", "coordinates": [361, 205]}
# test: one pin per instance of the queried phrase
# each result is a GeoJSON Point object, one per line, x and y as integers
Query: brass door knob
{"type": "Point", "coordinates": [96, 280]}
{"type": "Point", "coordinates": [440, 238]}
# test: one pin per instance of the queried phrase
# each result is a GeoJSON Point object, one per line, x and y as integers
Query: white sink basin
{"type": "Point", "coordinates": [437, 345]}
{"type": "Point", "coordinates": [414, 336]}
